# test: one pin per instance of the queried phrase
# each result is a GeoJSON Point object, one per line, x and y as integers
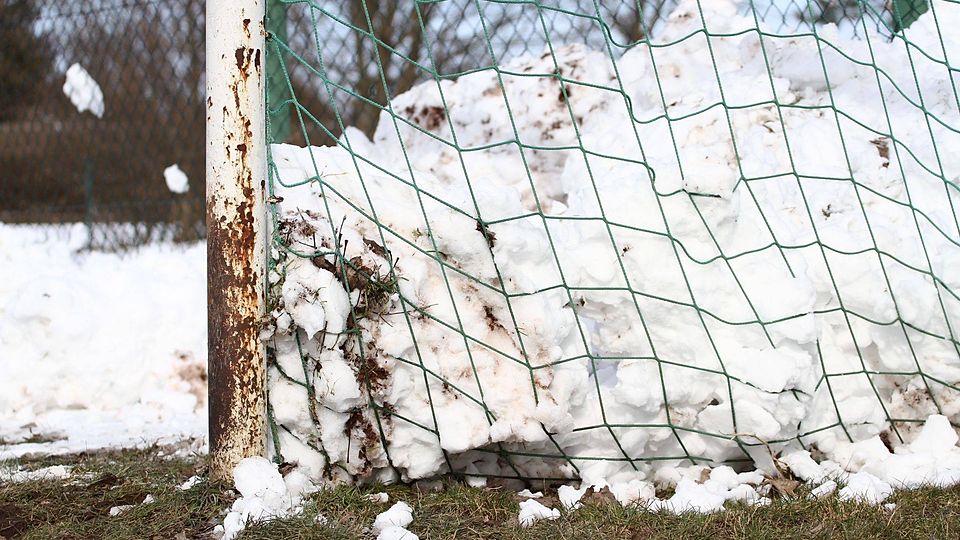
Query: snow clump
{"type": "Point", "coordinates": [83, 91]}
{"type": "Point", "coordinates": [264, 494]}
{"type": "Point", "coordinates": [54, 472]}
{"type": "Point", "coordinates": [531, 511]}
{"type": "Point", "coordinates": [390, 525]}
{"type": "Point", "coordinates": [176, 179]}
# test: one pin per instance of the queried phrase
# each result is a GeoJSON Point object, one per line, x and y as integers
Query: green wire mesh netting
{"type": "Point", "coordinates": [575, 239]}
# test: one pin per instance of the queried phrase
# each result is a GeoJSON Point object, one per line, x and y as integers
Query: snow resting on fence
{"type": "Point", "coordinates": [703, 252]}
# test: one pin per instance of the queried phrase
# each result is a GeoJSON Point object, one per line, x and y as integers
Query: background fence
{"type": "Point", "coordinates": [58, 165]}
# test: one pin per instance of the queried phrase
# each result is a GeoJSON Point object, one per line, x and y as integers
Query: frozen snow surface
{"type": "Point", "coordinates": [650, 274]}
{"type": "Point", "coordinates": [83, 91]}
{"type": "Point", "coordinates": [99, 350]}
{"type": "Point", "coordinates": [176, 179]}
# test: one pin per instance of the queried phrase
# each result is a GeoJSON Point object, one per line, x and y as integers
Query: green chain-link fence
{"type": "Point", "coordinates": [582, 239]}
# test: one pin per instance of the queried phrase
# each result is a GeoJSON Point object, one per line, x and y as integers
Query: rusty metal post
{"type": "Point", "coordinates": [236, 231]}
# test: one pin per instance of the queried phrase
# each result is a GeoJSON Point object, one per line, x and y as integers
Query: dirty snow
{"type": "Point", "coordinates": [99, 350]}
{"type": "Point", "coordinates": [83, 91]}
{"type": "Point", "coordinates": [471, 317]}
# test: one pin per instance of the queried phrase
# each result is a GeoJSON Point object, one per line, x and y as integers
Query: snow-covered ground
{"type": "Point", "coordinates": [99, 350]}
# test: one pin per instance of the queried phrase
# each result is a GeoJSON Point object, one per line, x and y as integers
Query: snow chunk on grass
{"type": "Point", "coordinates": [192, 481]}
{"type": "Point", "coordinates": [117, 510]}
{"type": "Point", "coordinates": [532, 511]}
{"type": "Point", "coordinates": [399, 515]}
{"type": "Point", "coordinates": [570, 497]}
{"type": "Point", "coordinates": [56, 472]}
{"type": "Point", "coordinates": [824, 489]}
{"type": "Point", "coordinates": [378, 497]}
{"type": "Point", "coordinates": [396, 533]}
{"type": "Point", "coordinates": [265, 494]}
{"type": "Point", "coordinates": [865, 487]}
{"type": "Point", "coordinates": [176, 179]}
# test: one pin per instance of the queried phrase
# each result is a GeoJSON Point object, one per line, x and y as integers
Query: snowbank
{"type": "Point", "coordinates": [98, 350]}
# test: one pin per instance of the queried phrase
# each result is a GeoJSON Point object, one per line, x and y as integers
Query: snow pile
{"type": "Point", "coordinates": [264, 494]}
{"type": "Point", "coordinates": [83, 91]}
{"type": "Point", "coordinates": [865, 487]}
{"type": "Point", "coordinates": [932, 458]}
{"type": "Point", "coordinates": [721, 285]}
{"type": "Point", "coordinates": [98, 350]}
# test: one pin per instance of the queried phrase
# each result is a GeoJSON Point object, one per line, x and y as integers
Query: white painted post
{"type": "Point", "coordinates": [236, 231]}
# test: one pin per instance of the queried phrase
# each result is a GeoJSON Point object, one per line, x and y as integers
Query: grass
{"type": "Point", "coordinates": [78, 508]}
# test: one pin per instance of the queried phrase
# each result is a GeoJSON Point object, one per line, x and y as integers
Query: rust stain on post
{"type": "Point", "coordinates": [235, 238]}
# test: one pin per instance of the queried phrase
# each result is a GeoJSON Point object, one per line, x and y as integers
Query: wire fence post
{"type": "Point", "coordinates": [236, 231]}
{"type": "Point", "coordinates": [88, 199]}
